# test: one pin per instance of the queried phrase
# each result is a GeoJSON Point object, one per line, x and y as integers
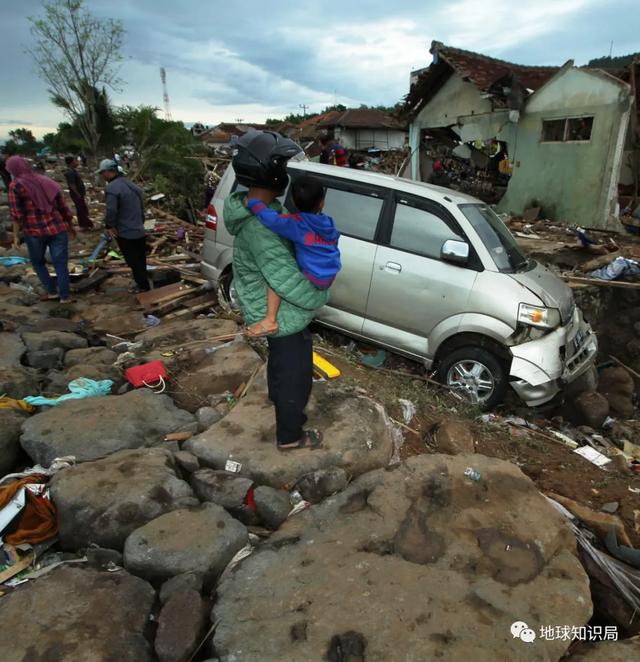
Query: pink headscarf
{"type": "Point", "coordinates": [41, 189]}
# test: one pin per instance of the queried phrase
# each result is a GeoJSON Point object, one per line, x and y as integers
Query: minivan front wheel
{"type": "Point", "coordinates": [477, 374]}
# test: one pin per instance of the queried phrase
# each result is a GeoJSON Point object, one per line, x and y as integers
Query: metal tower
{"type": "Point", "coordinates": [165, 95]}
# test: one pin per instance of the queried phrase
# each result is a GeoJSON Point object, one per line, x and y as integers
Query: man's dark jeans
{"type": "Point", "coordinates": [58, 245]}
{"type": "Point", "coordinates": [134, 252]}
{"type": "Point", "coordinates": [290, 376]}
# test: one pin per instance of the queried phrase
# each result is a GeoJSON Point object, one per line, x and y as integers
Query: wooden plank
{"type": "Point", "coordinates": [192, 309]}
{"type": "Point", "coordinates": [21, 565]}
{"type": "Point", "coordinates": [162, 294]}
{"type": "Point", "coordinates": [185, 300]}
{"type": "Point", "coordinates": [600, 283]}
{"type": "Point", "coordinates": [598, 262]}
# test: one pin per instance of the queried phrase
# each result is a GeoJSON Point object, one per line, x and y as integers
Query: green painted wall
{"type": "Point", "coordinates": [574, 181]}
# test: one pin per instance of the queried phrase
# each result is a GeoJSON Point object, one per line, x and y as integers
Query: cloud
{"type": "Point", "coordinates": [487, 27]}
{"type": "Point", "coordinates": [15, 123]}
{"type": "Point", "coordinates": [265, 59]}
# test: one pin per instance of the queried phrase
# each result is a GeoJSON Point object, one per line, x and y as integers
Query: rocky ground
{"type": "Point", "coordinates": [184, 534]}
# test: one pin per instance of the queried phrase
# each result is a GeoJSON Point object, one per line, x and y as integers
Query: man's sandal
{"type": "Point", "coordinates": [311, 439]}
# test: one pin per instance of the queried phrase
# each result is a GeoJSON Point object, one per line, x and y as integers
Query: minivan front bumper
{"type": "Point", "coordinates": [541, 368]}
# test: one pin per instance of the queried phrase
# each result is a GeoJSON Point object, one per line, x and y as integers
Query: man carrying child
{"type": "Point", "coordinates": [264, 261]}
{"type": "Point", "coordinates": [315, 241]}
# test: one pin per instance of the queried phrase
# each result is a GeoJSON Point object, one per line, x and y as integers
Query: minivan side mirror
{"type": "Point", "coordinates": [455, 251]}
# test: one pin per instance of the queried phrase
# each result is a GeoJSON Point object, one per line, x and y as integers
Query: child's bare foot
{"type": "Point", "coordinates": [263, 328]}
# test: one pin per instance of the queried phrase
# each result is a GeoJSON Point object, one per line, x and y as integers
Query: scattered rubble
{"type": "Point", "coordinates": [144, 512]}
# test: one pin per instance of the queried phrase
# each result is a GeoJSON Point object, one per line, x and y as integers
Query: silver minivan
{"type": "Point", "coordinates": [435, 275]}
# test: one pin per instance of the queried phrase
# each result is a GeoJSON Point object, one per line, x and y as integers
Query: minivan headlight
{"type": "Point", "coordinates": [538, 316]}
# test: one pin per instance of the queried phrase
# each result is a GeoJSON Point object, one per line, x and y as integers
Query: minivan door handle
{"type": "Point", "coordinates": [392, 266]}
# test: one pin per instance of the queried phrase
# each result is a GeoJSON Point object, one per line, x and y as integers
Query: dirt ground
{"type": "Point", "coordinates": [551, 465]}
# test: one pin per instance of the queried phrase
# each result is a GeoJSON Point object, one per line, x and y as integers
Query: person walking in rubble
{"type": "Point", "coordinates": [77, 192]}
{"type": "Point", "coordinates": [37, 207]}
{"type": "Point", "coordinates": [262, 259]}
{"type": "Point", "coordinates": [124, 221]}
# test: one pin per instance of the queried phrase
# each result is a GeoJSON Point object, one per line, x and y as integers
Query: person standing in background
{"type": "Point", "coordinates": [37, 207]}
{"type": "Point", "coordinates": [77, 192]}
{"type": "Point", "coordinates": [125, 221]}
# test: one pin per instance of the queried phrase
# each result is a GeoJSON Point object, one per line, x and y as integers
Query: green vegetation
{"type": "Point", "coordinates": [77, 55]}
{"type": "Point", "coordinates": [619, 62]}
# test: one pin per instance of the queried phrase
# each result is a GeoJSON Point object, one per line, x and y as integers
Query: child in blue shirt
{"type": "Point", "coordinates": [315, 240]}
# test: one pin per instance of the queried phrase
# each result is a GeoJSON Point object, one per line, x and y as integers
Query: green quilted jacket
{"type": "Point", "coordinates": [261, 258]}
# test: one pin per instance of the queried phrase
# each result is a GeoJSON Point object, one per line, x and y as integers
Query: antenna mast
{"type": "Point", "coordinates": [165, 95]}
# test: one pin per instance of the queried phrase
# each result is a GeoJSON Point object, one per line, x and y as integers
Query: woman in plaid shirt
{"type": "Point", "coordinates": [37, 207]}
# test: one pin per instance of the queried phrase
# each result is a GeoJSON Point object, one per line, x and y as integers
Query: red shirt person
{"type": "Point", "coordinates": [37, 207]}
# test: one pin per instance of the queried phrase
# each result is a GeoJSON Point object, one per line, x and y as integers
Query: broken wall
{"type": "Point", "coordinates": [461, 106]}
{"type": "Point", "coordinates": [575, 182]}
{"type": "Point", "coordinates": [355, 139]}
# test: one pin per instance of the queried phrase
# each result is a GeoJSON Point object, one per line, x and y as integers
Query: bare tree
{"type": "Point", "coordinates": [76, 53]}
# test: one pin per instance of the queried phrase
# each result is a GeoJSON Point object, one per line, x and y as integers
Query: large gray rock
{"type": "Point", "coordinates": [57, 381]}
{"type": "Point", "coordinates": [592, 409]}
{"type": "Point", "coordinates": [52, 339]}
{"type": "Point", "coordinates": [90, 356]}
{"type": "Point", "coordinates": [103, 501]}
{"type": "Point", "coordinates": [617, 385]}
{"type": "Point", "coordinates": [205, 374]}
{"type": "Point", "coordinates": [11, 349]}
{"type": "Point", "coordinates": [181, 625]}
{"type": "Point", "coordinates": [19, 382]}
{"type": "Point", "coordinates": [10, 424]}
{"type": "Point", "coordinates": [454, 437]}
{"type": "Point", "coordinates": [226, 489]}
{"type": "Point", "coordinates": [415, 563]}
{"type": "Point", "coordinates": [357, 437]}
{"type": "Point", "coordinates": [207, 416]}
{"type": "Point", "coordinates": [611, 651]}
{"type": "Point", "coordinates": [45, 359]}
{"type": "Point", "coordinates": [202, 539]}
{"type": "Point", "coordinates": [77, 615]}
{"type": "Point", "coordinates": [318, 485]}
{"type": "Point", "coordinates": [19, 314]}
{"type": "Point", "coordinates": [188, 581]}
{"type": "Point", "coordinates": [95, 427]}
{"type": "Point", "coordinates": [272, 505]}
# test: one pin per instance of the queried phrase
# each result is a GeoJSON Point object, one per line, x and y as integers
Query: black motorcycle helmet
{"type": "Point", "coordinates": [261, 159]}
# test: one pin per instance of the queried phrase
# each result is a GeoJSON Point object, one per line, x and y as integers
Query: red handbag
{"type": "Point", "coordinates": [152, 374]}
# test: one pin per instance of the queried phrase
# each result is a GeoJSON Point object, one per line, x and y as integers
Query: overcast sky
{"type": "Point", "coordinates": [255, 59]}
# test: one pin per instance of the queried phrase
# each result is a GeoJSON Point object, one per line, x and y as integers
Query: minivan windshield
{"type": "Point", "coordinates": [494, 235]}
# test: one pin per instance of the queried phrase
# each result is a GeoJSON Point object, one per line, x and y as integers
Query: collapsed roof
{"type": "Point", "coordinates": [507, 83]}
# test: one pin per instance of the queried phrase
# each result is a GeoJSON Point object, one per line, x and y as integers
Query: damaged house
{"type": "Point", "coordinates": [365, 128]}
{"type": "Point", "coordinates": [563, 131]}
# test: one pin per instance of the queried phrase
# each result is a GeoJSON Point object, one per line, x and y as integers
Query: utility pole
{"type": "Point", "coordinates": [611, 49]}
{"type": "Point", "coordinates": [304, 109]}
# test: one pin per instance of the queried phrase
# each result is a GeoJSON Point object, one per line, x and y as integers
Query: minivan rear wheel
{"type": "Point", "coordinates": [477, 374]}
{"type": "Point", "coordinates": [229, 291]}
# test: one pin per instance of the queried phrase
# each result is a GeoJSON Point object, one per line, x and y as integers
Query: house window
{"type": "Point", "coordinates": [579, 128]}
{"type": "Point", "coordinates": [553, 131]}
{"type": "Point", "coordinates": [568, 129]}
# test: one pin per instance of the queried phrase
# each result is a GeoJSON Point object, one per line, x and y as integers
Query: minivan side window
{"type": "Point", "coordinates": [419, 231]}
{"type": "Point", "coordinates": [354, 214]}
